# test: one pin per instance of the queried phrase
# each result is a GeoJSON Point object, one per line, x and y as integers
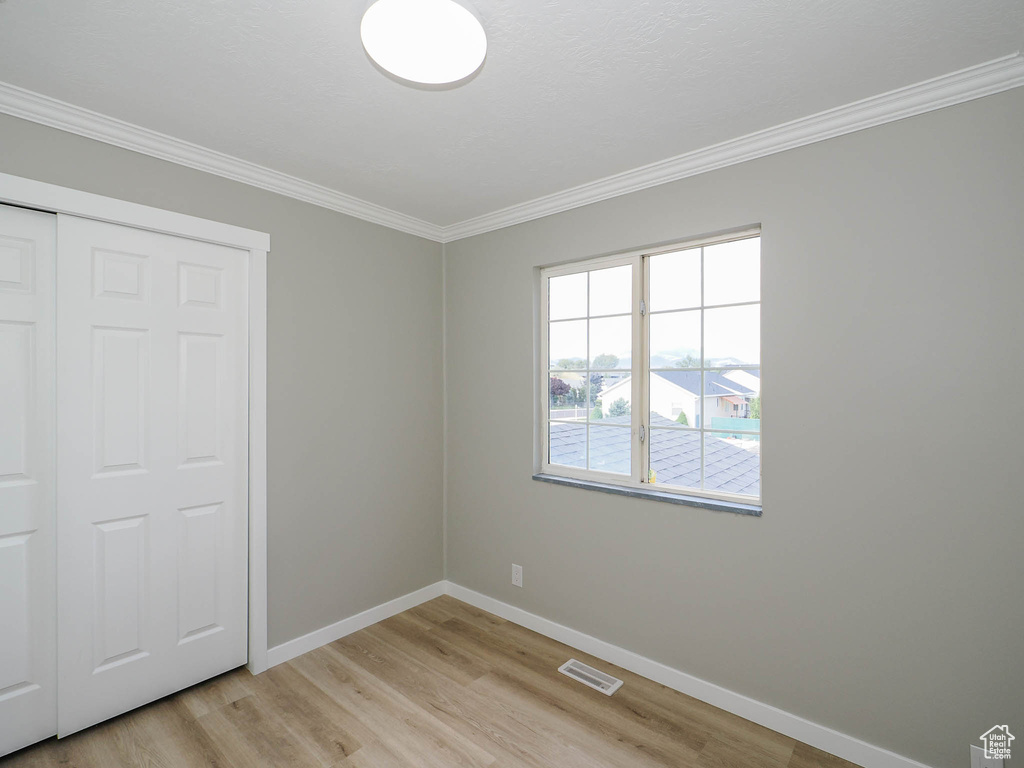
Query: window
{"type": "Point", "coordinates": [652, 369]}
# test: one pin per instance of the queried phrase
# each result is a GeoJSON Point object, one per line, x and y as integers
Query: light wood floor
{"type": "Point", "coordinates": [439, 686]}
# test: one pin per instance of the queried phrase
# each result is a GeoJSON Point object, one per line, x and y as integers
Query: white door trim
{"type": "Point", "coordinates": [258, 458]}
{"type": "Point", "coordinates": [29, 193]}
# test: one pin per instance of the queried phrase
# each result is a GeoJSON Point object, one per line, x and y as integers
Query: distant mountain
{"type": "Point", "coordinates": [670, 359]}
{"type": "Point", "coordinates": [661, 361]}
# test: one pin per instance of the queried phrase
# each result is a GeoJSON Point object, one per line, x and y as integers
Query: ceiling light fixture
{"type": "Point", "coordinates": [425, 41]}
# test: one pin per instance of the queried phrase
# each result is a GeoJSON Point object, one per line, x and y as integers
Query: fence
{"type": "Point", "coordinates": [569, 413]}
{"type": "Point", "coordinates": [730, 423]}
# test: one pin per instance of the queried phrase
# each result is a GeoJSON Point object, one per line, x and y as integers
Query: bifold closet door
{"type": "Point", "coordinates": [28, 602]}
{"type": "Point", "coordinates": [152, 409]}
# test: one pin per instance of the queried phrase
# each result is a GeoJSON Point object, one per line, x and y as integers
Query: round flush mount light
{"type": "Point", "coordinates": [425, 41]}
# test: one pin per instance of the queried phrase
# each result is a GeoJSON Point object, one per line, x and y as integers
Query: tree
{"type": "Point", "coordinates": [597, 413]}
{"type": "Point", "coordinates": [619, 408]}
{"type": "Point", "coordinates": [755, 408]}
{"type": "Point", "coordinates": [596, 385]}
{"type": "Point", "coordinates": [559, 389]}
{"type": "Point", "coordinates": [606, 361]}
{"type": "Point", "coordinates": [570, 364]}
{"type": "Point", "coordinates": [688, 362]}
{"type": "Point", "coordinates": [681, 419]}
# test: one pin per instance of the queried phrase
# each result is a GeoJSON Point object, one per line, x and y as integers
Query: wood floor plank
{"type": "Point", "coordinates": [429, 648]}
{"type": "Point", "coordinates": [647, 727]}
{"type": "Point", "coordinates": [374, 755]}
{"type": "Point", "coordinates": [597, 746]}
{"type": "Point", "coordinates": [494, 728]}
{"type": "Point", "coordinates": [719, 753]}
{"type": "Point", "coordinates": [667, 741]}
{"type": "Point", "coordinates": [310, 715]}
{"type": "Point", "coordinates": [82, 750]}
{"type": "Point", "coordinates": [169, 737]}
{"type": "Point", "coordinates": [250, 733]}
{"type": "Point", "coordinates": [532, 729]}
{"type": "Point", "coordinates": [410, 618]}
{"type": "Point", "coordinates": [468, 613]}
{"type": "Point", "coordinates": [430, 612]}
{"type": "Point", "coordinates": [100, 745]}
{"type": "Point", "coordinates": [534, 663]}
{"type": "Point", "coordinates": [443, 685]}
{"type": "Point", "coordinates": [443, 608]}
{"type": "Point", "coordinates": [690, 718]}
{"type": "Point", "coordinates": [806, 756]}
{"type": "Point", "coordinates": [410, 732]}
{"type": "Point", "coordinates": [218, 692]}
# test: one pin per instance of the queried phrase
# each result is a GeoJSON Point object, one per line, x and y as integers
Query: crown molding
{"type": "Point", "coordinates": [971, 83]}
{"type": "Point", "coordinates": [38, 108]}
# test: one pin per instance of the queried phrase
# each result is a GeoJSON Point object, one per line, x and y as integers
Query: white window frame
{"type": "Point", "coordinates": [639, 373]}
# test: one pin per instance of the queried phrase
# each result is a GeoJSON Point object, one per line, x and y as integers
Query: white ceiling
{"type": "Point", "coordinates": [571, 91]}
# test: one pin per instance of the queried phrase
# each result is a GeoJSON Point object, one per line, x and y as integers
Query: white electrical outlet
{"type": "Point", "coordinates": [517, 575]}
{"type": "Point", "coordinates": [978, 759]}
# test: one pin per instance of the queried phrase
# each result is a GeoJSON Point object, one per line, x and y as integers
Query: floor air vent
{"type": "Point", "coordinates": [595, 678]}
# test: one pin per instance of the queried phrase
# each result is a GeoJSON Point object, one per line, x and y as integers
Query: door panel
{"type": "Point", "coordinates": [28, 704]}
{"type": "Point", "coordinates": [152, 466]}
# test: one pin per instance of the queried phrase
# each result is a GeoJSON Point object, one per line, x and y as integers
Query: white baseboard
{"type": "Point", "coordinates": [279, 654]}
{"type": "Point", "coordinates": [833, 742]}
{"type": "Point", "coordinates": [827, 739]}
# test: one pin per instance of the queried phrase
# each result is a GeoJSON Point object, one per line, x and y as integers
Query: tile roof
{"type": "Point", "coordinates": [675, 454]}
{"type": "Point", "coordinates": [714, 383]}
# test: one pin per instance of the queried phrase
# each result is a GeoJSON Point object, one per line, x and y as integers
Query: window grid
{"type": "Point", "coordinates": [641, 416]}
{"type": "Point", "coordinates": [704, 428]}
{"type": "Point", "coordinates": [588, 372]}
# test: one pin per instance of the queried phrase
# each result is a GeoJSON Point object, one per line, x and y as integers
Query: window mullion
{"type": "Point", "coordinates": [638, 372]}
{"type": "Point", "coordinates": [703, 376]}
{"type": "Point", "coordinates": [545, 378]}
{"type": "Point", "coordinates": [586, 387]}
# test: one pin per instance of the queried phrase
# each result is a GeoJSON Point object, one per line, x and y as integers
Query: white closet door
{"type": "Point", "coordinates": [152, 404]}
{"type": "Point", "coordinates": [28, 603]}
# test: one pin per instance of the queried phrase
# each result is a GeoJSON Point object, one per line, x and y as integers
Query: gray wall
{"type": "Point", "coordinates": [880, 594]}
{"type": "Point", "coordinates": [354, 379]}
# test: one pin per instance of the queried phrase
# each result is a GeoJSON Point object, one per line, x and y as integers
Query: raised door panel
{"type": "Point", "coordinates": [199, 286]}
{"type": "Point", "coordinates": [120, 378]}
{"type": "Point", "coordinates": [18, 260]}
{"type": "Point", "coordinates": [122, 601]}
{"type": "Point", "coordinates": [200, 371]}
{"type": "Point", "coordinates": [123, 276]}
{"type": "Point", "coordinates": [17, 352]}
{"type": "Point", "coordinates": [15, 631]}
{"type": "Point", "coordinates": [28, 703]}
{"type": "Point", "coordinates": [198, 557]}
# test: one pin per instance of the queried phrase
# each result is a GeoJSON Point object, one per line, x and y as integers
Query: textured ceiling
{"type": "Point", "coordinates": [571, 91]}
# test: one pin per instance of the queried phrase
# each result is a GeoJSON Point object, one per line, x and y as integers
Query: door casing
{"type": "Point", "coordinates": [51, 198]}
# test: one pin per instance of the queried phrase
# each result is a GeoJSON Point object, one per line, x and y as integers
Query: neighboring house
{"type": "Point", "coordinates": [749, 379]}
{"type": "Point", "coordinates": [673, 392]}
{"type": "Point", "coordinates": [675, 455]}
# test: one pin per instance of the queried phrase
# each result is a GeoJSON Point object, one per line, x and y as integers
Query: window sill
{"type": "Point", "coordinates": [647, 494]}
